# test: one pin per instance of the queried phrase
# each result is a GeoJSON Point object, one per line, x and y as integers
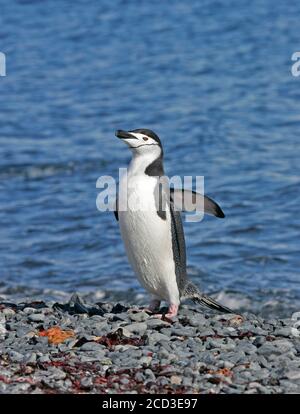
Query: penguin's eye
{"type": "Point", "coordinates": [145, 138]}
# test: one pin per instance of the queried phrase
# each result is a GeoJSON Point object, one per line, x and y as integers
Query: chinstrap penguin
{"type": "Point", "coordinates": [154, 236]}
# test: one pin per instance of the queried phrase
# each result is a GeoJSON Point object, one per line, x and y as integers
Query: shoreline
{"type": "Point", "coordinates": [110, 348]}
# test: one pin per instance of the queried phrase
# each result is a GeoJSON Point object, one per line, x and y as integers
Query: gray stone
{"type": "Point", "coordinates": [165, 331]}
{"type": "Point", "coordinates": [8, 312]}
{"type": "Point", "coordinates": [290, 387]}
{"type": "Point", "coordinates": [28, 311]}
{"type": "Point", "coordinates": [247, 347]}
{"type": "Point", "coordinates": [44, 358]}
{"type": "Point", "coordinates": [101, 328]}
{"type": "Point", "coordinates": [145, 360]}
{"type": "Point", "coordinates": [186, 331]}
{"type": "Point", "coordinates": [15, 356]}
{"type": "Point", "coordinates": [124, 316]}
{"type": "Point", "coordinates": [187, 382]}
{"type": "Point", "coordinates": [259, 341]}
{"type": "Point", "coordinates": [30, 358]}
{"type": "Point", "coordinates": [254, 366]}
{"type": "Point", "coordinates": [286, 332]}
{"type": "Point", "coordinates": [235, 357]}
{"type": "Point", "coordinates": [293, 375]}
{"type": "Point", "coordinates": [56, 374]}
{"type": "Point", "coordinates": [156, 323]}
{"type": "Point", "coordinates": [149, 374]}
{"type": "Point", "coordinates": [277, 347]}
{"type": "Point", "coordinates": [163, 381]}
{"type": "Point", "coordinates": [220, 343]}
{"type": "Point", "coordinates": [138, 328]}
{"type": "Point", "coordinates": [36, 317]}
{"type": "Point", "coordinates": [227, 331]}
{"type": "Point", "coordinates": [86, 383]}
{"type": "Point", "coordinates": [139, 377]}
{"type": "Point", "coordinates": [92, 346]}
{"type": "Point", "coordinates": [156, 337]}
{"type": "Point", "coordinates": [139, 316]}
{"type": "Point", "coordinates": [124, 381]}
{"type": "Point", "coordinates": [197, 320]}
{"type": "Point", "coordinates": [2, 327]}
{"type": "Point", "coordinates": [206, 332]}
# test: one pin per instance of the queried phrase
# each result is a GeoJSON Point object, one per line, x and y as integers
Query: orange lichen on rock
{"type": "Point", "coordinates": [56, 335]}
{"type": "Point", "coordinates": [226, 372]}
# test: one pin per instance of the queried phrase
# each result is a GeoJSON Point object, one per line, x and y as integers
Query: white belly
{"type": "Point", "coordinates": [148, 241]}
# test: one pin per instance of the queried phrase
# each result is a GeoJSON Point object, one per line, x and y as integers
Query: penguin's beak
{"type": "Point", "coordinates": [124, 134]}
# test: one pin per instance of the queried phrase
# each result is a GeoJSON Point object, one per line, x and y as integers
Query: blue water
{"type": "Point", "coordinates": [212, 78]}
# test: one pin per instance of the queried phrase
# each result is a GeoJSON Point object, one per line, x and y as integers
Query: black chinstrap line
{"type": "Point", "coordinates": [143, 145]}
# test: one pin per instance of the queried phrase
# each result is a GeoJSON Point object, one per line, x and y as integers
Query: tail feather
{"type": "Point", "coordinates": [192, 292]}
{"type": "Point", "coordinates": [209, 302]}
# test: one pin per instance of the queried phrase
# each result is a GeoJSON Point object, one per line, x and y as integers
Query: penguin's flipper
{"type": "Point", "coordinates": [189, 201]}
{"type": "Point", "coordinates": [192, 292]}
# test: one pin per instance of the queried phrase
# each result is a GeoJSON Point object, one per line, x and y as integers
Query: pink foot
{"type": "Point", "coordinates": [172, 311]}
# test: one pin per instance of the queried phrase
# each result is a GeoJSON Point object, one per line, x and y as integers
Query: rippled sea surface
{"type": "Point", "coordinates": [212, 78]}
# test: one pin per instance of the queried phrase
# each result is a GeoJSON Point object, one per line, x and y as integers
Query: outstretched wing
{"type": "Point", "coordinates": [189, 201]}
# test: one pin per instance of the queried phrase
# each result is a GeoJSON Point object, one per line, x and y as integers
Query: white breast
{"type": "Point", "coordinates": [148, 239]}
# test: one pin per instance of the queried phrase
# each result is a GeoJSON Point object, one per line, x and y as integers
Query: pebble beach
{"type": "Point", "coordinates": [117, 348]}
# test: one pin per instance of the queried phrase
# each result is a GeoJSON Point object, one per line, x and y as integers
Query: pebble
{"type": "Point", "coordinates": [197, 321]}
{"type": "Point", "coordinates": [2, 326]}
{"type": "Point", "coordinates": [286, 332]}
{"type": "Point", "coordinates": [36, 317]}
{"type": "Point", "coordinates": [139, 316]}
{"type": "Point", "coordinates": [149, 375]}
{"type": "Point", "coordinates": [30, 358]}
{"type": "Point", "coordinates": [293, 375]}
{"type": "Point", "coordinates": [156, 323]}
{"type": "Point", "coordinates": [145, 360]}
{"type": "Point", "coordinates": [86, 383]}
{"type": "Point", "coordinates": [277, 347]}
{"type": "Point", "coordinates": [207, 332]}
{"type": "Point", "coordinates": [15, 356]}
{"type": "Point", "coordinates": [138, 328]}
{"type": "Point", "coordinates": [92, 346]}
{"type": "Point", "coordinates": [189, 332]}
{"type": "Point", "coordinates": [44, 358]}
{"type": "Point", "coordinates": [157, 337]}
{"type": "Point", "coordinates": [175, 379]}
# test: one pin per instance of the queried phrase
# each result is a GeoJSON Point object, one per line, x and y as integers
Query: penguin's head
{"type": "Point", "coordinates": [141, 141]}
